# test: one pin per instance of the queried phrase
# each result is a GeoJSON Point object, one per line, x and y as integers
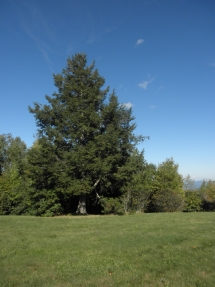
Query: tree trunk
{"type": "Point", "coordinates": [82, 205]}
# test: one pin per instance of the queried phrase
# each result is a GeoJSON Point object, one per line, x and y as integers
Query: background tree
{"type": "Point", "coordinates": [84, 139]}
{"type": "Point", "coordinates": [137, 190]}
{"type": "Point", "coordinates": [207, 191]}
{"type": "Point", "coordinates": [192, 201]}
{"type": "Point", "coordinates": [12, 153]}
{"type": "Point", "coordinates": [168, 192]}
{"type": "Point", "coordinates": [13, 178]}
{"type": "Point", "coordinates": [44, 198]}
{"type": "Point", "coordinates": [189, 183]}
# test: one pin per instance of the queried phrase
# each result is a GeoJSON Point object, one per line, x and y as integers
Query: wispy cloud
{"type": "Point", "coordinates": [42, 47]}
{"type": "Point", "coordinates": [139, 42]}
{"type": "Point", "coordinates": [212, 64]}
{"type": "Point", "coordinates": [127, 105]}
{"type": "Point", "coordinates": [152, 107]}
{"type": "Point", "coordinates": [161, 88]}
{"type": "Point", "coordinates": [36, 27]}
{"type": "Point", "coordinates": [145, 84]}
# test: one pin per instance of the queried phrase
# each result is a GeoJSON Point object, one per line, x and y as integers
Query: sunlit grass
{"type": "Point", "coordinates": [164, 249]}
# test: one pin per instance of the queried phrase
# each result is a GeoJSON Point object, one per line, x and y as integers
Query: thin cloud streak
{"type": "Point", "coordinates": [42, 47]}
{"type": "Point", "coordinates": [35, 28]}
{"type": "Point", "coordinates": [145, 84]}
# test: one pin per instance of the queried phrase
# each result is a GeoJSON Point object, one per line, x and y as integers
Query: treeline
{"type": "Point", "coordinates": [85, 158]}
{"type": "Point", "coordinates": [145, 187]}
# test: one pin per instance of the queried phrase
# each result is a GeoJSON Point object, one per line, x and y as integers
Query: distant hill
{"type": "Point", "coordinates": [198, 183]}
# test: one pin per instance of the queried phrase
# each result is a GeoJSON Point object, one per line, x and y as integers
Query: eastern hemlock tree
{"type": "Point", "coordinates": [84, 139]}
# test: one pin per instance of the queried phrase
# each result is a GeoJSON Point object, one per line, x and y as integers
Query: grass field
{"type": "Point", "coordinates": [163, 249]}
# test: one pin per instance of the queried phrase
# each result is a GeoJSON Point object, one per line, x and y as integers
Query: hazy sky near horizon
{"type": "Point", "coordinates": [158, 55]}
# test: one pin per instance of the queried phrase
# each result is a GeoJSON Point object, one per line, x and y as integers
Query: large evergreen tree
{"type": "Point", "coordinates": [83, 138]}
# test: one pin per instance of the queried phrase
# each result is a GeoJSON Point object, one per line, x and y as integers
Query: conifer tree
{"type": "Point", "coordinates": [83, 137]}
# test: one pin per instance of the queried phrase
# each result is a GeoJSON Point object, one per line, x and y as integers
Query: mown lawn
{"type": "Point", "coordinates": [163, 249]}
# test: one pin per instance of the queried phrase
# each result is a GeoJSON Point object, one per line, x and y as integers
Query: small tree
{"type": "Point", "coordinates": [168, 192]}
{"type": "Point", "coordinates": [207, 191]}
{"type": "Point", "coordinates": [12, 153]}
{"type": "Point", "coordinates": [188, 183]}
{"type": "Point", "coordinates": [192, 201]}
{"type": "Point", "coordinates": [140, 186]}
{"type": "Point", "coordinates": [13, 178]}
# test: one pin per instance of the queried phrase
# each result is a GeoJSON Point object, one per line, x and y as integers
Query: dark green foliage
{"type": "Point", "coordinates": [112, 205]}
{"type": "Point", "coordinates": [207, 191]}
{"type": "Point", "coordinates": [192, 202]}
{"type": "Point", "coordinates": [14, 194]}
{"type": "Point", "coordinates": [45, 203]}
{"type": "Point", "coordinates": [83, 139]}
{"type": "Point", "coordinates": [143, 187]}
{"type": "Point", "coordinates": [138, 188]}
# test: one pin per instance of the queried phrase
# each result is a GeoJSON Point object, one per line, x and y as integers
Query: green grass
{"type": "Point", "coordinates": [163, 249]}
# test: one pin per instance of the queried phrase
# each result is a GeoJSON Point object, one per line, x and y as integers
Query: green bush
{"type": "Point", "coordinates": [166, 201]}
{"type": "Point", "coordinates": [45, 203]}
{"type": "Point", "coordinates": [207, 191]}
{"type": "Point", "coordinates": [14, 193]}
{"type": "Point", "coordinates": [192, 202]}
{"type": "Point", "coordinates": [112, 206]}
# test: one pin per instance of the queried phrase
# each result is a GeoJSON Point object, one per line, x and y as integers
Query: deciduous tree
{"type": "Point", "coordinates": [13, 179]}
{"type": "Point", "coordinates": [168, 192]}
{"type": "Point", "coordinates": [207, 191]}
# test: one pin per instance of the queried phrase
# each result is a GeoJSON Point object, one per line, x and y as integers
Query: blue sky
{"type": "Point", "coordinates": [159, 56]}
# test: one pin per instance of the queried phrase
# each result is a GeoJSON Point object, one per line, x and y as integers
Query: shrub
{"type": "Point", "coordinates": [45, 203]}
{"type": "Point", "coordinates": [14, 195]}
{"type": "Point", "coordinates": [112, 206]}
{"type": "Point", "coordinates": [193, 201]}
{"type": "Point", "coordinates": [166, 201]}
{"type": "Point", "coordinates": [207, 190]}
